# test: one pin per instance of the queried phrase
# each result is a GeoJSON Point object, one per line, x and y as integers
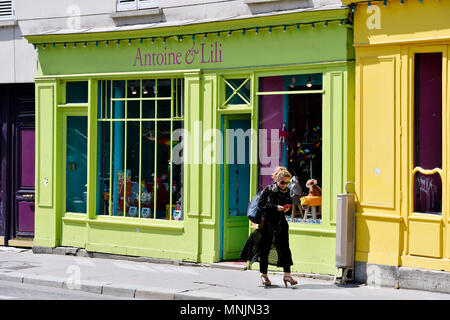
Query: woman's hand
{"type": "Point", "coordinates": [280, 208]}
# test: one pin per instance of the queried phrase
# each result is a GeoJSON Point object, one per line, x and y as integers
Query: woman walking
{"type": "Point", "coordinates": [273, 228]}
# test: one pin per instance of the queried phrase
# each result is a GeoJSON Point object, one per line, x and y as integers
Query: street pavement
{"type": "Point", "coordinates": [144, 280]}
{"type": "Point", "coordinates": [10, 290]}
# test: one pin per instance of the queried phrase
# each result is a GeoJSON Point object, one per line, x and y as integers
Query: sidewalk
{"type": "Point", "coordinates": [169, 281]}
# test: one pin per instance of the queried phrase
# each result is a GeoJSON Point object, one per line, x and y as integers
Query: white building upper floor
{"type": "Point", "coordinates": [18, 59]}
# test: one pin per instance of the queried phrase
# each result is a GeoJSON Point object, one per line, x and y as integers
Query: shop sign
{"type": "Point", "coordinates": [199, 53]}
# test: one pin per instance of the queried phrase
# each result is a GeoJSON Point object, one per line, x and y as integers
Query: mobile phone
{"type": "Point", "coordinates": [287, 206]}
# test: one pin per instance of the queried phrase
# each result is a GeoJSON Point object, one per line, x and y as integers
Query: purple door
{"type": "Point", "coordinates": [23, 168]}
{"type": "Point", "coordinates": [17, 161]}
{"type": "Point", "coordinates": [25, 192]}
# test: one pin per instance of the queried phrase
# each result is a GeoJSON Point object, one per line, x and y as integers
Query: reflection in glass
{"type": "Point", "coordinates": [133, 109]}
{"type": "Point", "coordinates": [103, 167]}
{"type": "Point", "coordinates": [77, 92]}
{"type": "Point", "coordinates": [148, 109]}
{"type": "Point", "coordinates": [104, 102]}
{"type": "Point", "coordinates": [238, 149]}
{"type": "Point", "coordinates": [244, 93]}
{"type": "Point", "coordinates": [118, 107]}
{"type": "Point", "coordinates": [136, 177]}
{"type": "Point", "coordinates": [76, 164]}
{"type": "Point", "coordinates": [148, 88]}
{"type": "Point", "coordinates": [133, 88]}
{"type": "Point", "coordinates": [294, 82]}
{"type": "Point", "coordinates": [163, 170]}
{"type": "Point", "coordinates": [178, 110]}
{"type": "Point", "coordinates": [147, 169]}
{"type": "Point", "coordinates": [177, 171]}
{"type": "Point", "coordinates": [291, 133]}
{"type": "Point", "coordinates": [118, 185]}
{"type": "Point", "coordinates": [119, 89]}
{"type": "Point", "coordinates": [164, 88]}
{"type": "Point", "coordinates": [164, 109]}
{"type": "Point", "coordinates": [133, 139]}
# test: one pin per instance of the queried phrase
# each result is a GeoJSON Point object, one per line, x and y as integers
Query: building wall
{"type": "Point", "coordinates": [197, 238]}
{"type": "Point", "coordinates": [389, 232]}
{"type": "Point", "coordinates": [18, 60]}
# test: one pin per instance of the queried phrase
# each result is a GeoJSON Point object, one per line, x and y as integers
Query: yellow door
{"type": "Point", "coordinates": [428, 212]}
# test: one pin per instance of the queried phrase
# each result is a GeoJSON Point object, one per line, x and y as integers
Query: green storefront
{"type": "Point", "coordinates": [116, 173]}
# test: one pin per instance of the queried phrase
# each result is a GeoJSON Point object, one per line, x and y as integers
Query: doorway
{"type": "Point", "coordinates": [18, 164]}
{"type": "Point", "coordinates": [235, 185]}
{"type": "Point", "coordinates": [427, 214]}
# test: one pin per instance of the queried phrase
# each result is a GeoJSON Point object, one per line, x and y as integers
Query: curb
{"type": "Point", "coordinates": [402, 277]}
{"type": "Point", "coordinates": [80, 252]}
{"type": "Point", "coordinates": [109, 290]}
{"type": "Point", "coordinates": [73, 251]}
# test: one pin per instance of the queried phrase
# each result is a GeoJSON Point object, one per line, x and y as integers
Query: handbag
{"type": "Point", "coordinates": [254, 212]}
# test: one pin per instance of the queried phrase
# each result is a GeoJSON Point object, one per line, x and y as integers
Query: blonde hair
{"type": "Point", "coordinates": [281, 173]}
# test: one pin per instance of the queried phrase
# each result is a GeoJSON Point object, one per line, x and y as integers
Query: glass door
{"type": "Point", "coordinates": [235, 184]}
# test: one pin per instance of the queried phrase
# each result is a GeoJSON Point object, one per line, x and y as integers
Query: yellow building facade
{"type": "Point", "coordinates": [402, 134]}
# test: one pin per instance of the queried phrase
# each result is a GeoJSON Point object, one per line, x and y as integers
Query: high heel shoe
{"type": "Point", "coordinates": [289, 279]}
{"type": "Point", "coordinates": [265, 281]}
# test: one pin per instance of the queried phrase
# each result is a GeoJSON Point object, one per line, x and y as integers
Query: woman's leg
{"type": "Point", "coordinates": [265, 244]}
{"type": "Point", "coordinates": [264, 262]}
{"type": "Point", "coordinates": [284, 249]}
{"type": "Point", "coordinates": [264, 258]}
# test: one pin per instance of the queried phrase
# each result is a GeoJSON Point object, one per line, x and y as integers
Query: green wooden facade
{"type": "Point", "coordinates": [299, 48]}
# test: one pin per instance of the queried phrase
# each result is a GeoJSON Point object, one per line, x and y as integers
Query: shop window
{"type": "Point", "coordinates": [76, 164]}
{"type": "Point", "coordinates": [237, 91]}
{"type": "Point", "coordinates": [77, 92]}
{"type": "Point", "coordinates": [140, 169]}
{"type": "Point", "coordinates": [290, 135]}
{"type": "Point", "coordinates": [428, 133]}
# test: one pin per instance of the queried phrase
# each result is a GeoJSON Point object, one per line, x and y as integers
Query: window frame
{"type": "Point", "coordinates": [258, 93]}
{"type": "Point", "coordinates": [223, 84]}
{"type": "Point", "coordinates": [412, 169]}
{"type": "Point", "coordinates": [11, 16]}
{"type": "Point", "coordinates": [178, 82]}
{"type": "Point", "coordinates": [63, 114]}
{"type": "Point", "coordinates": [136, 5]}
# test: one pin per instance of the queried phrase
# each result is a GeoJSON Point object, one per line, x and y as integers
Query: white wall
{"type": "Point", "coordinates": [18, 58]}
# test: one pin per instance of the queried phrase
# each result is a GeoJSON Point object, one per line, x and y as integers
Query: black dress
{"type": "Point", "coordinates": [275, 232]}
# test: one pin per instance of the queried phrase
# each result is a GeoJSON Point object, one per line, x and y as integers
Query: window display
{"type": "Point", "coordinates": [290, 125]}
{"type": "Point", "coordinates": [137, 174]}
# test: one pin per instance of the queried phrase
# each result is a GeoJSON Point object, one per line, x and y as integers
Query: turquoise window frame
{"type": "Point", "coordinates": [63, 113]}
